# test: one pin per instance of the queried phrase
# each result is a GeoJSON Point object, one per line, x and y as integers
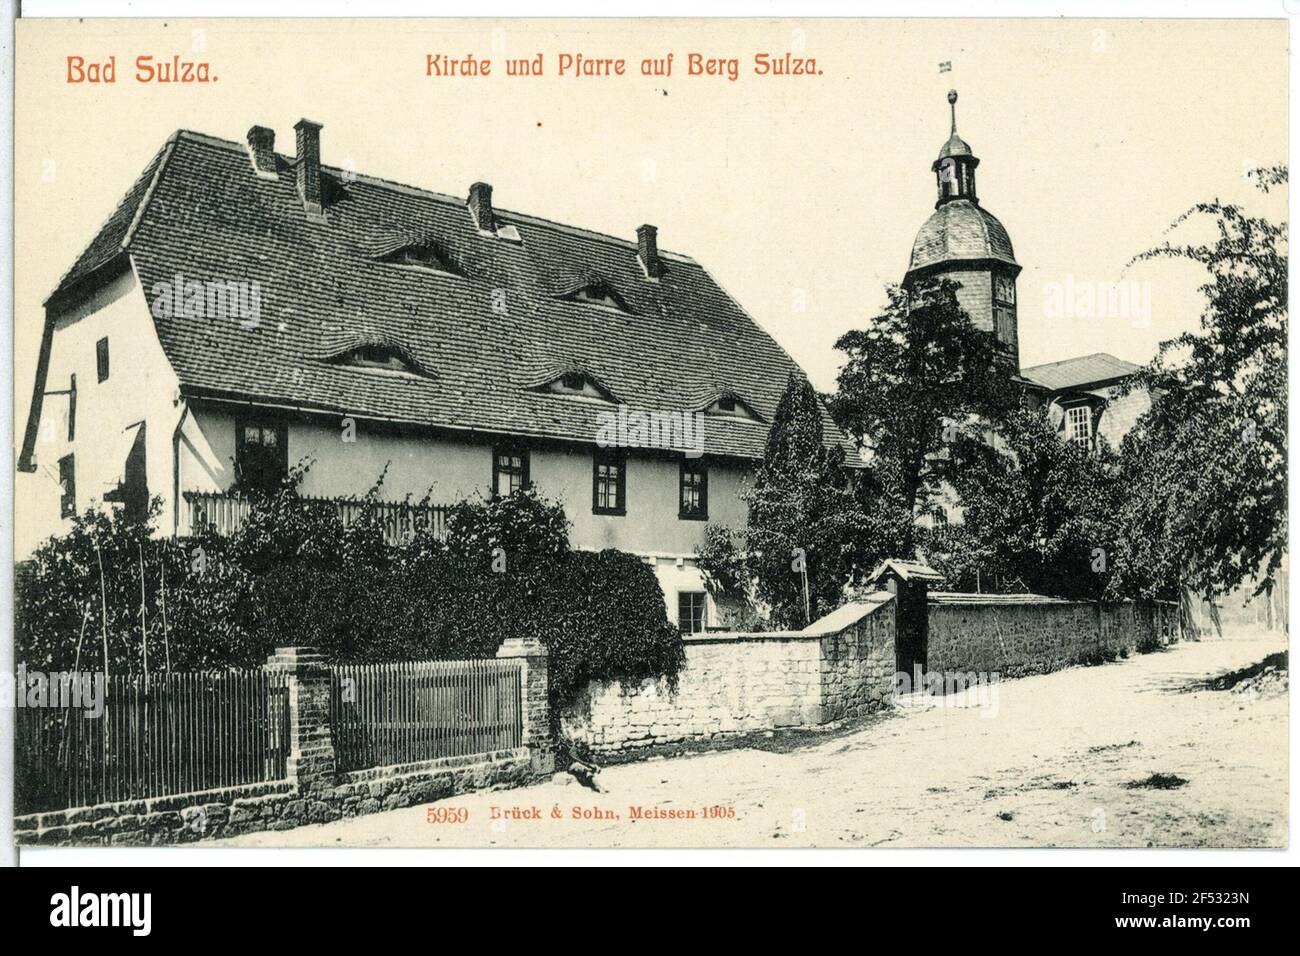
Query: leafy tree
{"type": "Point", "coordinates": [805, 532]}
{"type": "Point", "coordinates": [1038, 512]}
{"type": "Point", "coordinates": [917, 373]}
{"type": "Point", "coordinates": [1207, 510]}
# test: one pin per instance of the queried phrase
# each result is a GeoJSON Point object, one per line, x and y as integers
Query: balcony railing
{"type": "Point", "coordinates": [227, 510]}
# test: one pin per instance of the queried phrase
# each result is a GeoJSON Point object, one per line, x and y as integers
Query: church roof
{"type": "Point", "coordinates": [960, 229]}
{"type": "Point", "coordinates": [1080, 370]}
{"type": "Point", "coordinates": [956, 146]}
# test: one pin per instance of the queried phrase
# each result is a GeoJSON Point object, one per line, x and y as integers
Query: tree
{"type": "Point", "coordinates": [805, 530]}
{"type": "Point", "coordinates": [919, 373]}
{"type": "Point", "coordinates": [1207, 509]}
{"type": "Point", "coordinates": [1038, 512]}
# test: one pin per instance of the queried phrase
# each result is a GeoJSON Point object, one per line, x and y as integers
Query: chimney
{"type": "Point", "coordinates": [647, 250]}
{"type": "Point", "coordinates": [480, 207]}
{"type": "Point", "coordinates": [261, 146]}
{"type": "Point", "coordinates": [308, 164]}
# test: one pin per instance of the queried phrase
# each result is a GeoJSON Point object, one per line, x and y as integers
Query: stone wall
{"type": "Point", "coordinates": [736, 683]}
{"type": "Point", "coordinates": [1017, 635]}
{"type": "Point", "coordinates": [184, 818]}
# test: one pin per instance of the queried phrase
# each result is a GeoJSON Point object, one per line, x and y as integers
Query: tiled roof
{"type": "Point", "coordinates": [1081, 370]}
{"type": "Point", "coordinates": [484, 337]}
{"type": "Point", "coordinates": [960, 229]}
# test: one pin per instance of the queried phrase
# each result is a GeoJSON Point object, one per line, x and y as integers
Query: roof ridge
{"type": "Point", "coordinates": [393, 184]}
{"type": "Point", "coordinates": [1075, 358]}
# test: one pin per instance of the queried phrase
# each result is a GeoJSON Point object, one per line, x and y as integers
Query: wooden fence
{"type": "Point", "coordinates": [227, 510]}
{"type": "Point", "coordinates": [384, 714]}
{"type": "Point", "coordinates": [172, 733]}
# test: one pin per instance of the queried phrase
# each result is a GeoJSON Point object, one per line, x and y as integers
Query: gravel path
{"type": "Point", "coordinates": [1136, 753]}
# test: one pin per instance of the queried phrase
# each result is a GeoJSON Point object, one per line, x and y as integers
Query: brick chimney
{"type": "Point", "coordinates": [647, 250]}
{"type": "Point", "coordinates": [261, 146]}
{"type": "Point", "coordinates": [480, 207]}
{"type": "Point", "coordinates": [307, 165]}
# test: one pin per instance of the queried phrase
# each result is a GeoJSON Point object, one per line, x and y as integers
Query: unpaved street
{"type": "Point", "coordinates": [1136, 753]}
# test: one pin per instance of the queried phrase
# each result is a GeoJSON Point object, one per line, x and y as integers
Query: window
{"type": "Point", "coordinates": [68, 486]}
{"type": "Point", "coordinates": [509, 471]}
{"type": "Point", "coordinates": [261, 454]}
{"type": "Point", "coordinates": [72, 408]}
{"type": "Point", "coordinates": [600, 294]}
{"type": "Point", "coordinates": [424, 255]}
{"type": "Point", "coordinates": [101, 359]}
{"type": "Point", "coordinates": [608, 483]}
{"type": "Point", "coordinates": [1078, 425]}
{"type": "Point", "coordinates": [579, 383]}
{"type": "Point", "coordinates": [693, 502]}
{"type": "Point", "coordinates": [939, 519]}
{"type": "Point", "coordinates": [690, 611]}
{"type": "Point", "coordinates": [1004, 289]}
{"type": "Point", "coordinates": [380, 356]}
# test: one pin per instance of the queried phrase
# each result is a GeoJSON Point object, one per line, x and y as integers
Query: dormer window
{"type": "Point", "coordinates": [729, 404]}
{"type": "Point", "coordinates": [380, 356]}
{"type": "Point", "coordinates": [598, 293]}
{"type": "Point", "coordinates": [574, 382]}
{"type": "Point", "coordinates": [424, 255]}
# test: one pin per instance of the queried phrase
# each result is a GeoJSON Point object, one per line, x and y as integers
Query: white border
{"type": "Point", "coordinates": [182, 856]}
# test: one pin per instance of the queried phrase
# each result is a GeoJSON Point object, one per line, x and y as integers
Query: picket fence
{"type": "Point", "coordinates": [225, 511]}
{"type": "Point", "coordinates": [165, 734]}
{"type": "Point", "coordinates": [405, 712]}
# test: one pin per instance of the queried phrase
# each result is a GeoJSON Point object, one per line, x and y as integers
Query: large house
{"type": "Point", "coordinates": [242, 310]}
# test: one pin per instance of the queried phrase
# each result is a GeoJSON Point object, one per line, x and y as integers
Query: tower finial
{"type": "Point", "coordinates": [952, 103]}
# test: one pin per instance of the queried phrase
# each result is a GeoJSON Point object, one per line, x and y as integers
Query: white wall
{"type": "Point", "coordinates": [141, 387]}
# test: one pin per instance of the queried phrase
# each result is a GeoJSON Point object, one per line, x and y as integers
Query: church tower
{"type": "Point", "coordinates": [964, 242]}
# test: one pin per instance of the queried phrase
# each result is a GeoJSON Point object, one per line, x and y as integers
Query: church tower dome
{"type": "Point", "coordinates": [965, 242]}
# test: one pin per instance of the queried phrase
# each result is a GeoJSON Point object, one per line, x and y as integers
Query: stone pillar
{"type": "Point", "coordinates": [311, 748]}
{"type": "Point", "coordinates": [535, 704]}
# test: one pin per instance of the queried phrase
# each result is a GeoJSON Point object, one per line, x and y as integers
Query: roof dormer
{"type": "Point", "coordinates": [423, 254]}
{"type": "Point", "coordinates": [380, 354]}
{"type": "Point", "coordinates": [598, 292]}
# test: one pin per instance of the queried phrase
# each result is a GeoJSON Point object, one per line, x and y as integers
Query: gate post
{"type": "Point", "coordinates": [310, 763]}
{"type": "Point", "coordinates": [534, 704]}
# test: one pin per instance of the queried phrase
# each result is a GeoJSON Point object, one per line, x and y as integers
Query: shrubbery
{"type": "Point", "coordinates": [294, 574]}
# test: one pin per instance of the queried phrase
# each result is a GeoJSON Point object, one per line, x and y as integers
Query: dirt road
{"type": "Point", "coordinates": [1136, 753]}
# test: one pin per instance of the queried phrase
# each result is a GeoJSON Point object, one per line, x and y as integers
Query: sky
{"type": "Point", "coordinates": [800, 194]}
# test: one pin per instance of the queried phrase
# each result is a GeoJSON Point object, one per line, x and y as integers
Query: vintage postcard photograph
{"type": "Point", "coordinates": [650, 433]}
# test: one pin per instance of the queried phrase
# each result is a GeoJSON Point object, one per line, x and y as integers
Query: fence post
{"type": "Point", "coordinates": [534, 706]}
{"type": "Point", "coordinates": [310, 763]}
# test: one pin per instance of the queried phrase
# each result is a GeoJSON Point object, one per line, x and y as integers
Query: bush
{"type": "Point", "coordinates": [294, 574]}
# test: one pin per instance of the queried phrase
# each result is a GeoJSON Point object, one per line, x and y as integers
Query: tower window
{"type": "Point", "coordinates": [1004, 289]}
